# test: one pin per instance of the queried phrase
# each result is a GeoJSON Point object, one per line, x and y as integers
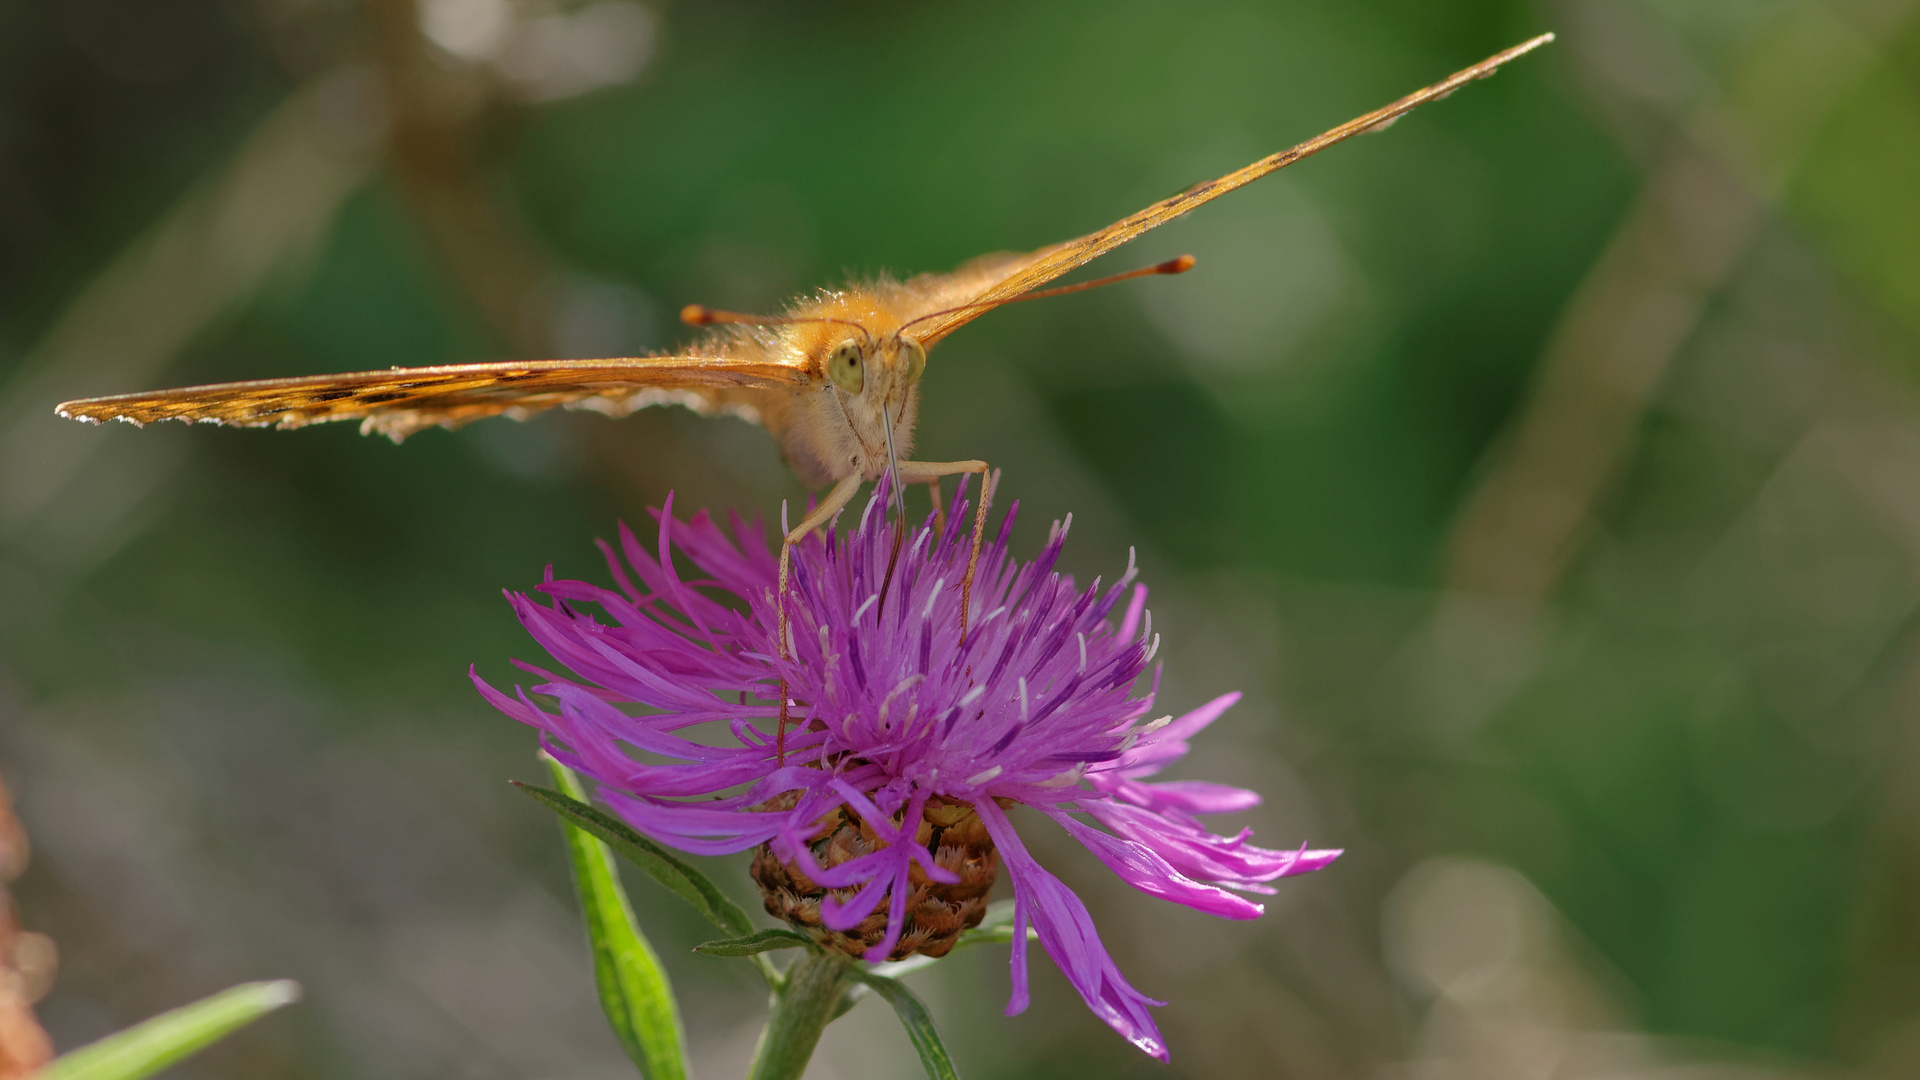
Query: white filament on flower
{"type": "Point", "coordinates": [1066, 779]}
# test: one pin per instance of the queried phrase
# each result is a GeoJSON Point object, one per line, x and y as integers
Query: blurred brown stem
{"type": "Point", "coordinates": [26, 964]}
{"type": "Point", "coordinates": [433, 160]}
{"type": "Point", "coordinates": [1702, 204]}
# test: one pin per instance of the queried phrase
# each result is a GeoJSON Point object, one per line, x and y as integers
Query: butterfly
{"type": "Point", "coordinates": [834, 379]}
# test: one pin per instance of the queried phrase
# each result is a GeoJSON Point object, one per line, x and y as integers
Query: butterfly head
{"type": "Point", "coordinates": [862, 417]}
{"type": "Point", "coordinates": [872, 379]}
{"type": "Point", "coordinates": [891, 365]}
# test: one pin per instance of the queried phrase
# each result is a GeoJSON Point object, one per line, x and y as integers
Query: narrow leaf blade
{"type": "Point", "coordinates": [152, 1045]}
{"type": "Point", "coordinates": [762, 941]}
{"type": "Point", "coordinates": [634, 989]}
{"type": "Point", "coordinates": [690, 884]}
{"type": "Point", "coordinates": [992, 935]}
{"type": "Point", "coordinates": [918, 1022]}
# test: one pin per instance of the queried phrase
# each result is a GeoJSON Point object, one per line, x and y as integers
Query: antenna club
{"type": "Point", "coordinates": [696, 315]}
{"type": "Point", "coordinates": [1177, 266]}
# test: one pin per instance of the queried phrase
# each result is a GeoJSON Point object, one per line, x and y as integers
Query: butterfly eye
{"type": "Point", "coordinates": [916, 359]}
{"type": "Point", "coordinates": [845, 367]}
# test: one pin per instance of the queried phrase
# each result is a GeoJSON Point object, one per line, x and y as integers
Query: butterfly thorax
{"type": "Point", "coordinates": [862, 378]}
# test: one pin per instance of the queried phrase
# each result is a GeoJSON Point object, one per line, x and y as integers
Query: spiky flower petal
{"type": "Point", "coordinates": [894, 718]}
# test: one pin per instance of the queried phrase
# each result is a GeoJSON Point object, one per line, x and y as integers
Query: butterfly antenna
{"type": "Point", "coordinates": [701, 315]}
{"type": "Point", "coordinates": [1172, 266]}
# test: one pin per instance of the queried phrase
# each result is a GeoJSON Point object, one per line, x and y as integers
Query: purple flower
{"type": "Point", "coordinates": [879, 828]}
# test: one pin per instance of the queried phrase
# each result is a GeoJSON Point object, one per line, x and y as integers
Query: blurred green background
{"type": "Point", "coordinates": [1546, 470]}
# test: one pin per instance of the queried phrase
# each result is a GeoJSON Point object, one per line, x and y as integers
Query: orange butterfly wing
{"type": "Point", "coordinates": [1004, 277]}
{"type": "Point", "coordinates": [400, 401]}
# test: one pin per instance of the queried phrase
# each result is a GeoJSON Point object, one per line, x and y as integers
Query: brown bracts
{"type": "Point", "coordinates": [937, 913]}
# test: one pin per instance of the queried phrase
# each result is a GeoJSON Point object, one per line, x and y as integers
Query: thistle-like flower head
{"type": "Point", "coordinates": [881, 825]}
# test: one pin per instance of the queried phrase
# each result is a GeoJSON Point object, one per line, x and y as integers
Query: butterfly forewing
{"type": "Point", "coordinates": [399, 401]}
{"type": "Point", "coordinates": [1014, 276]}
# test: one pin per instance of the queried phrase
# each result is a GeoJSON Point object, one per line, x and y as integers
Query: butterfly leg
{"type": "Point", "coordinates": [939, 507]}
{"type": "Point", "coordinates": [836, 500]}
{"type": "Point", "coordinates": [931, 472]}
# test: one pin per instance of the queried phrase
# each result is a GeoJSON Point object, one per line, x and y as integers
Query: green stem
{"type": "Point", "coordinates": [800, 1012]}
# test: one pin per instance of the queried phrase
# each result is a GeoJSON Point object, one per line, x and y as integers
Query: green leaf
{"type": "Point", "coordinates": [634, 989]}
{"type": "Point", "coordinates": [148, 1047]}
{"type": "Point", "coordinates": [996, 927]}
{"type": "Point", "coordinates": [763, 941]}
{"type": "Point", "coordinates": [918, 1022]}
{"type": "Point", "coordinates": [684, 880]}
{"type": "Point", "coordinates": [852, 996]}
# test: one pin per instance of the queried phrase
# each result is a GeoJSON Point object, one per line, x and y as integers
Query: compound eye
{"type": "Point", "coordinates": [847, 367]}
{"type": "Point", "coordinates": [916, 359]}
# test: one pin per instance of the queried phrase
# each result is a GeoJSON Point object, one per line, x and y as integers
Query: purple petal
{"type": "Point", "coordinates": [1186, 796]}
{"type": "Point", "coordinates": [1067, 933]}
{"type": "Point", "coordinates": [1168, 744]}
{"type": "Point", "coordinates": [1141, 868]}
{"type": "Point", "coordinates": [843, 917]}
{"type": "Point", "coordinates": [689, 827]}
{"type": "Point", "coordinates": [1135, 607]}
{"type": "Point", "coordinates": [1200, 854]}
